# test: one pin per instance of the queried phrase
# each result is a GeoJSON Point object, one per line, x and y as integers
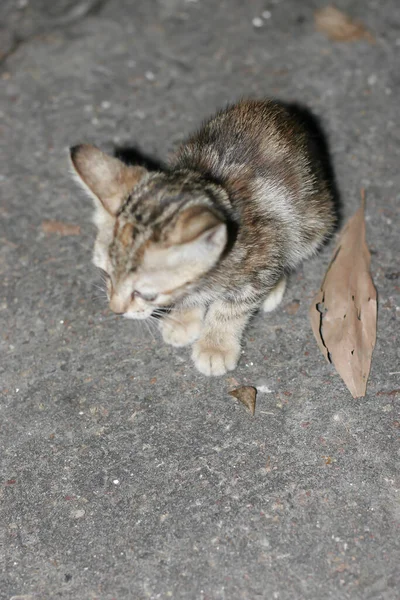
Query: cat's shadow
{"type": "Point", "coordinates": [133, 155]}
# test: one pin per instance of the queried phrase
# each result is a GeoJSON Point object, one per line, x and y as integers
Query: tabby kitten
{"type": "Point", "coordinates": [243, 203]}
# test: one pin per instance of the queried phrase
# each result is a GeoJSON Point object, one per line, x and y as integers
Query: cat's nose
{"type": "Point", "coordinates": [118, 305]}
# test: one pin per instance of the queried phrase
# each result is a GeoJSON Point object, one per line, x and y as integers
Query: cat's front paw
{"type": "Point", "coordinates": [182, 329]}
{"type": "Point", "coordinates": [215, 360]}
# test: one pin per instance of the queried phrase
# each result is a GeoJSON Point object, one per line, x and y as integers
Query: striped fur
{"type": "Point", "coordinates": [242, 203]}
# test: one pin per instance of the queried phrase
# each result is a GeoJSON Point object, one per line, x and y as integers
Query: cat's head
{"type": "Point", "coordinates": [158, 233]}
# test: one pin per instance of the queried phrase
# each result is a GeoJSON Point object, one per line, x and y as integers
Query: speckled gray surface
{"type": "Point", "coordinates": [125, 474]}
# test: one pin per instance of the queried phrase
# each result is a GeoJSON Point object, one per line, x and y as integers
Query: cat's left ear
{"type": "Point", "coordinates": [198, 236]}
{"type": "Point", "coordinates": [105, 178]}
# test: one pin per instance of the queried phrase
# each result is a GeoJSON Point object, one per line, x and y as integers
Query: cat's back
{"type": "Point", "coordinates": [261, 154]}
{"type": "Point", "coordinates": [252, 133]}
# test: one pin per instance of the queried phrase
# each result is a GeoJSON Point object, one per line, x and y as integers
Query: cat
{"type": "Point", "coordinates": [213, 237]}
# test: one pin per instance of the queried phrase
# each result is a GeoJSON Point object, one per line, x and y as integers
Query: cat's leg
{"type": "Point", "coordinates": [182, 327]}
{"type": "Point", "coordinates": [218, 349]}
{"type": "Point", "coordinates": [274, 298]}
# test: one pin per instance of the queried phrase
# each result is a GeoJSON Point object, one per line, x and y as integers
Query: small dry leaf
{"type": "Point", "coordinates": [60, 228]}
{"type": "Point", "coordinates": [246, 394]}
{"type": "Point", "coordinates": [343, 313]}
{"type": "Point", "coordinates": [338, 27]}
{"type": "Point", "coordinates": [292, 307]}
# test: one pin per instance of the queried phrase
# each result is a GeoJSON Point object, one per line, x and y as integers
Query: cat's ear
{"type": "Point", "coordinates": [191, 246]}
{"type": "Point", "coordinates": [105, 178]}
{"type": "Point", "coordinates": [198, 234]}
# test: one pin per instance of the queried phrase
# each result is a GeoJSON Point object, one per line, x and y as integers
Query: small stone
{"type": "Point", "coordinates": [266, 14]}
{"type": "Point", "coordinates": [257, 22]}
{"type": "Point", "coordinates": [263, 388]}
{"type": "Point", "coordinates": [77, 514]}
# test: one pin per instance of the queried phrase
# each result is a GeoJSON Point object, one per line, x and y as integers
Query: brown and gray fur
{"type": "Point", "coordinates": [243, 203]}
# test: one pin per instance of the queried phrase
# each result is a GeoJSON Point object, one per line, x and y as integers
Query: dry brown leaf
{"type": "Point", "coordinates": [60, 228]}
{"type": "Point", "coordinates": [246, 394]}
{"type": "Point", "coordinates": [338, 27]}
{"type": "Point", "coordinates": [343, 313]}
{"type": "Point", "coordinates": [292, 307]}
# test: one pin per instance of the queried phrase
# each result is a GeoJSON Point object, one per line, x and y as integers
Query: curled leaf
{"type": "Point", "coordinates": [343, 313]}
{"type": "Point", "coordinates": [247, 396]}
{"type": "Point", "coordinates": [337, 26]}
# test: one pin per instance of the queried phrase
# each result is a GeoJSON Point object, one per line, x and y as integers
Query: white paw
{"type": "Point", "coordinates": [177, 334]}
{"type": "Point", "coordinates": [214, 360]}
{"type": "Point", "coordinates": [275, 297]}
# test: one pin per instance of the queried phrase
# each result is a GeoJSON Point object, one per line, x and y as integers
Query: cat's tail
{"type": "Point", "coordinates": [274, 298]}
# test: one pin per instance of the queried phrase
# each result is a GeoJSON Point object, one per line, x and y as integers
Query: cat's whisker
{"type": "Point", "coordinates": [98, 285]}
{"type": "Point", "coordinates": [153, 323]}
{"type": "Point", "coordinates": [164, 313]}
{"type": "Point", "coordinates": [151, 329]}
{"type": "Point", "coordinates": [144, 323]}
{"type": "Point", "coordinates": [100, 293]}
{"type": "Point", "coordinates": [100, 299]}
{"type": "Point", "coordinates": [158, 316]}
{"type": "Point", "coordinates": [97, 296]}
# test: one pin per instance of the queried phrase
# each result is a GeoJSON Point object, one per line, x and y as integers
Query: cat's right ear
{"type": "Point", "coordinates": [105, 178]}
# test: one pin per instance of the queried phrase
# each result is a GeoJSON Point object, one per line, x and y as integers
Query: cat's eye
{"type": "Point", "coordinates": [146, 297]}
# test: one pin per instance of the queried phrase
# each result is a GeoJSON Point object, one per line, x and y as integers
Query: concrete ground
{"type": "Point", "coordinates": [126, 474]}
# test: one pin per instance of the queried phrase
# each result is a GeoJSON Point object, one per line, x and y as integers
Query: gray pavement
{"type": "Point", "coordinates": [126, 474]}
